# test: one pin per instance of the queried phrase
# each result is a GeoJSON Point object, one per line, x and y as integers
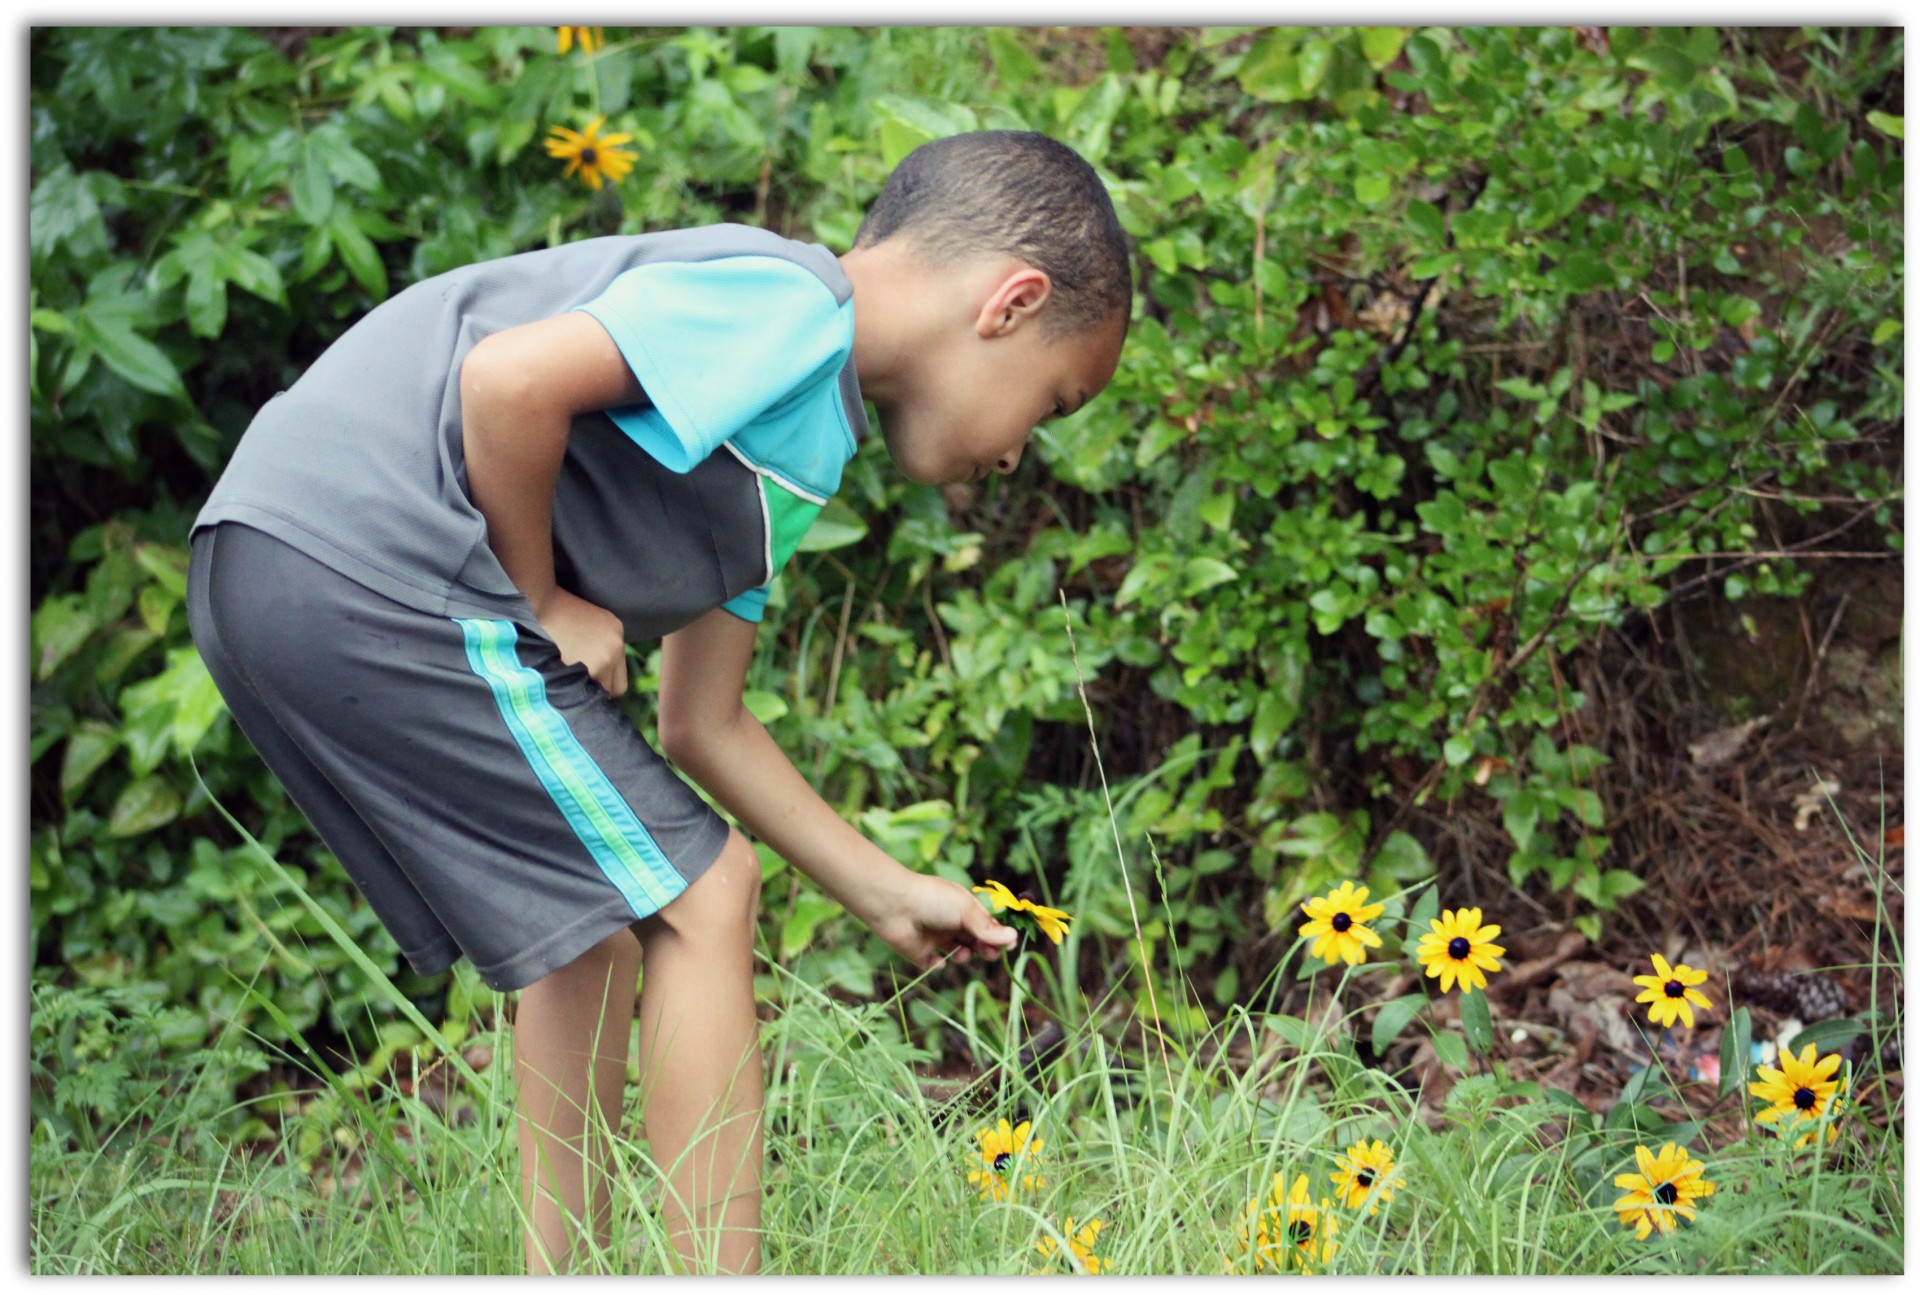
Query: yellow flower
{"type": "Point", "coordinates": [1338, 929]}
{"type": "Point", "coordinates": [999, 1150]}
{"type": "Point", "coordinates": [1051, 922]}
{"type": "Point", "coordinates": [1801, 1091]}
{"type": "Point", "coordinates": [1291, 1229]}
{"type": "Point", "coordinates": [590, 38]}
{"type": "Point", "coordinates": [1459, 947]}
{"type": "Point", "coordinates": [1366, 1176]}
{"type": "Point", "coordinates": [590, 153]}
{"type": "Point", "coordinates": [1080, 1245]}
{"type": "Point", "coordinates": [1667, 1184]}
{"type": "Point", "coordinates": [1670, 993]}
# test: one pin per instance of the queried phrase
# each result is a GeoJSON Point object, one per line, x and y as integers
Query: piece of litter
{"type": "Point", "coordinates": [1518, 1036]}
{"type": "Point", "coordinates": [1721, 745]}
{"type": "Point", "coordinates": [1809, 802]}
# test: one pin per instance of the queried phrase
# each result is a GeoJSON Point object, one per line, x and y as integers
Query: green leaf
{"type": "Point", "coordinates": [1381, 45]}
{"type": "Point", "coordinates": [1452, 1051]}
{"type": "Point", "coordinates": [358, 252]}
{"type": "Point", "coordinates": [1203, 573]}
{"type": "Point", "coordinates": [107, 331]}
{"type": "Point", "coordinates": [764, 706]}
{"type": "Point", "coordinates": [810, 908]}
{"type": "Point", "coordinates": [836, 527]}
{"type": "Point", "coordinates": [1401, 858]}
{"type": "Point", "coordinates": [1476, 1021]}
{"type": "Point", "coordinates": [88, 747]}
{"type": "Point", "coordinates": [1458, 749]}
{"type": "Point", "coordinates": [1736, 1047]}
{"type": "Point", "coordinates": [59, 628]}
{"type": "Point", "coordinates": [1887, 124]}
{"type": "Point", "coordinates": [1585, 271]}
{"type": "Point", "coordinates": [1427, 222]}
{"type": "Point", "coordinates": [1618, 883]}
{"type": "Point", "coordinates": [1393, 1017]}
{"type": "Point", "coordinates": [1669, 66]}
{"type": "Point", "coordinates": [1827, 1035]}
{"type": "Point", "coordinates": [312, 187]}
{"type": "Point", "coordinates": [1420, 922]}
{"type": "Point", "coordinates": [147, 803]}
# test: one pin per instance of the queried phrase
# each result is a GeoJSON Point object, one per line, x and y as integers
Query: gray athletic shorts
{"type": "Point", "coordinates": [487, 799]}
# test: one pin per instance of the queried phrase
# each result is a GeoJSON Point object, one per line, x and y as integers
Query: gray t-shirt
{"type": "Point", "coordinates": [742, 341]}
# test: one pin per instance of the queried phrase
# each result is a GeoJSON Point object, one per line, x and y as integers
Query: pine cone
{"type": "Point", "coordinates": [1806, 996]}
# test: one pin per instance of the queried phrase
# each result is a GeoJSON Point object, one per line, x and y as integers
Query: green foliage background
{"type": "Point", "coordinates": [1456, 349]}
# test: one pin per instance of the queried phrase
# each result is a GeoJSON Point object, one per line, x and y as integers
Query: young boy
{"type": "Point", "coordinates": [415, 583]}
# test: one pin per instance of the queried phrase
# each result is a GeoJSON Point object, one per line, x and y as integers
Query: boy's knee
{"type": "Point", "coordinates": [724, 901]}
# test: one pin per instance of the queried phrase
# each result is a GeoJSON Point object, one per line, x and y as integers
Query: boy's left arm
{"type": "Point", "coordinates": [708, 732]}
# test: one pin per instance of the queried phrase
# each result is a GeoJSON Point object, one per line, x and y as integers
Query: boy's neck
{"type": "Point", "coordinates": [906, 310]}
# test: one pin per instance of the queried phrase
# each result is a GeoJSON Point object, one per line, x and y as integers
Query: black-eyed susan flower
{"type": "Point", "coordinates": [1459, 948]}
{"type": "Point", "coordinates": [1670, 993]}
{"type": "Point", "coordinates": [1024, 913]}
{"type": "Point", "coordinates": [1339, 927]}
{"type": "Point", "coordinates": [1367, 1176]}
{"type": "Point", "coordinates": [593, 155]}
{"type": "Point", "coordinates": [1080, 1244]}
{"type": "Point", "coordinates": [1289, 1229]}
{"type": "Point", "coordinates": [589, 38]}
{"type": "Point", "coordinates": [1801, 1090]}
{"type": "Point", "coordinates": [1001, 1149]}
{"type": "Point", "coordinates": [1667, 1185]}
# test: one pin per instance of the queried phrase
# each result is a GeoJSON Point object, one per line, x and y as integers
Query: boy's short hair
{"type": "Point", "coordinates": [1021, 194]}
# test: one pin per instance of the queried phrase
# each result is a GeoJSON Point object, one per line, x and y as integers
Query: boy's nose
{"type": "Point", "coordinates": [1010, 460]}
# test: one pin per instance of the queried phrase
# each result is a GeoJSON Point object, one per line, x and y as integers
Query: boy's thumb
{"type": "Point", "coordinates": [981, 924]}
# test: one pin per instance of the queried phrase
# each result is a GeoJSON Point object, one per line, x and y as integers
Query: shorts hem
{"type": "Point", "coordinates": [563, 946]}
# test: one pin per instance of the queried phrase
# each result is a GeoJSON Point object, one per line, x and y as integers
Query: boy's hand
{"type": "Point", "coordinates": [929, 918]}
{"type": "Point", "coordinates": [588, 635]}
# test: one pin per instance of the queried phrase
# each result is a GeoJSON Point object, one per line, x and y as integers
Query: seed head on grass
{"type": "Point", "coordinates": [1367, 1176]}
{"type": "Point", "coordinates": [1290, 1230]}
{"type": "Point", "coordinates": [1025, 915]}
{"type": "Point", "coordinates": [1801, 1090]}
{"type": "Point", "coordinates": [1666, 1186]}
{"type": "Point", "coordinates": [1000, 1150]}
{"type": "Point", "coordinates": [1339, 927]}
{"type": "Point", "coordinates": [1080, 1244]}
{"type": "Point", "coordinates": [1459, 948]}
{"type": "Point", "coordinates": [1670, 993]}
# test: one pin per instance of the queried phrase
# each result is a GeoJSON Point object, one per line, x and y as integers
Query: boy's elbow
{"type": "Point", "coordinates": [693, 740]}
{"type": "Point", "coordinates": [683, 740]}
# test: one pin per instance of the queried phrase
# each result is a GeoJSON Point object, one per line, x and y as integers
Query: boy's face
{"type": "Point", "coordinates": [977, 403]}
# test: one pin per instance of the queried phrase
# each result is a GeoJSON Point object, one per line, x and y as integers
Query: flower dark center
{"type": "Point", "coordinates": [1459, 947]}
{"type": "Point", "coordinates": [1341, 921]}
{"type": "Point", "coordinates": [1676, 990]}
{"type": "Point", "coordinates": [1001, 1161]}
{"type": "Point", "coordinates": [1300, 1231]}
{"type": "Point", "coordinates": [1666, 1193]}
{"type": "Point", "coordinates": [1803, 1098]}
{"type": "Point", "coordinates": [1364, 1178]}
{"type": "Point", "coordinates": [589, 155]}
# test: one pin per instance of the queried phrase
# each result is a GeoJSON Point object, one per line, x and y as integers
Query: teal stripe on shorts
{"type": "Point", "coordinates": [618, 841]}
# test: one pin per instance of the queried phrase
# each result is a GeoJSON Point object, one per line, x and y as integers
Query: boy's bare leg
{"type": "Point", "coordinates": [570, 1035]}
{"type": "Point", "coordinates": [700, 1063]}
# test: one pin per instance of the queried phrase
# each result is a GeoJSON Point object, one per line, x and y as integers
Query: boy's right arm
{"type": "Point", "coordinates": [520, 389]}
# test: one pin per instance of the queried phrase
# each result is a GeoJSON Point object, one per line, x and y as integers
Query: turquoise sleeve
{"type": "Point", "coordinates": [717, 343]}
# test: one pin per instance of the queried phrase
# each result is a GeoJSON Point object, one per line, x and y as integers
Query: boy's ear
{"type": "Point", "coordinates": [1015, 300]}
